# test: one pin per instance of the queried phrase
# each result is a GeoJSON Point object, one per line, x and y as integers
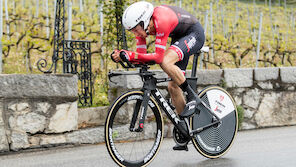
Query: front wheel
{"type": "Point", "coordinates": [216, 140]}
{"type": "Point", "coordinates": [129, 147]}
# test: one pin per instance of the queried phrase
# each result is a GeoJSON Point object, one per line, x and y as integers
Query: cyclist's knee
{"type": "Point", "coordinates": [170, 57]}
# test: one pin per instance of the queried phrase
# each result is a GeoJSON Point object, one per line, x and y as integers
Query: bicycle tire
{"type": "Point", "coordinates": [120, 140]}
{"type": "Point", "coordinates": [215, 141]}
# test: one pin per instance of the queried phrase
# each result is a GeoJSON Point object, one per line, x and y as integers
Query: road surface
{"type": "Point", "coordinates": [271, 147]}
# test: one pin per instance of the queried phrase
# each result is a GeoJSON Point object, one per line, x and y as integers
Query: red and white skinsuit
{"type": "Point", "coordinates": [169, 21]}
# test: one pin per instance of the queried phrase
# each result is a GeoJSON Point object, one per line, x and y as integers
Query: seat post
{"type": "Point", "coordinates": [192, 81]}
{"type": "Point", "coordinates": [194, 65]}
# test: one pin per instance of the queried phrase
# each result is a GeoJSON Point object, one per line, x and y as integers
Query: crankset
{"type": "Point", "coordinates": [179, 138]}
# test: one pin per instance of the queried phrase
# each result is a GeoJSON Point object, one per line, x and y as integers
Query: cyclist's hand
{"type": "Point", "coordinates": [115, 56]}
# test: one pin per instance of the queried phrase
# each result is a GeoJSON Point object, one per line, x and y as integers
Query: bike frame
{"type": "Point", "coordinates": [150, 89]}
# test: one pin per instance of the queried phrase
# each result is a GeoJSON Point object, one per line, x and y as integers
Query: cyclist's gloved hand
{"type": "Point", "coordinates": [115, 56]}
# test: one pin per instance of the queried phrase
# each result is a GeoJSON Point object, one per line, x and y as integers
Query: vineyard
{"type": "Point", "coordinates": [233, 32]}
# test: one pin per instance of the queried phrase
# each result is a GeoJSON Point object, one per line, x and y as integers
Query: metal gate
{"type": "Point", "coordinates": [76, 56]}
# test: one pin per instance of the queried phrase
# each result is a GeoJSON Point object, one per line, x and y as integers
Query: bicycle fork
{"type": "Point", "coordinates": [143, 109]}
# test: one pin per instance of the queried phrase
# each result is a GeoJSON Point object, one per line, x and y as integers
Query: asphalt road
{"type": "Point", "coordinates": [272, 147]}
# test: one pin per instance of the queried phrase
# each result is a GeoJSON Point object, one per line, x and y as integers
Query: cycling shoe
{"type": "Point", "coordinates": [189, 109]}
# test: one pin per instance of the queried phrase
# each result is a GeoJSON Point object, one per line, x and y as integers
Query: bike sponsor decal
{"type": "Point", "coordinates": [139, 97]}
{"type": "Point", "coordinates": [191, 107]}
{"type": "Point", "coordinates": [220, 103]}
{"type": "Point", "coordinates": [151, 104]}
{"type": "Point", "coordinates": [218, 148]}
{"type": "Point", "coordinates": [204, 144]}
{"type": "Point", "coordinates": [154, 149]}
{"type": "Point", "coordinates": [142, 113]}
{"type": "Point", "coordinates": [167, 107]}
{"type": "Point", "coordinates": [113, 147]}
{"type": "Point", "coordinates": [135, 97]}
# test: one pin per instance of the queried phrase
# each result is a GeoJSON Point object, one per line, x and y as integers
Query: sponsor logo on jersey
{"type": "Point", "coordinates": [159, 34]}
{"type": "Point", "coordinates": [190, 44]}
{"type": "Point", "coordinates": [186, 16]}
{"type": "Point", "coordinates": [156, 24]}
{"type": "Point", "coordinates": [158, 40]}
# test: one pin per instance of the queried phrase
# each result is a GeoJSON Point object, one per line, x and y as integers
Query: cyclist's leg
{"type": "Point", "coordinates": [176, 94]}
{"type": "Point", "coordinates": [184, 47]}
{"type": "Point", "coordinates": [173, 64]}
{"type": "Point", "coordinates": [178, 100]}
{"type": "Point", "coordinates": [168, 65]}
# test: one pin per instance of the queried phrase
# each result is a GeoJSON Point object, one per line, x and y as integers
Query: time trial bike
{"type": "Point", "coordinates": [134, 126]}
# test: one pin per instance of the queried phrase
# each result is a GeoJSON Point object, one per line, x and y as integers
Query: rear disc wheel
{"type": "Point", "coordinates": [216, 140]}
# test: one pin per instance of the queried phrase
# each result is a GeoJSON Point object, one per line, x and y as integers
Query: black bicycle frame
{"type": "Point", "coordinates": [166, 107]}
{"type": "Point", "coordinates": [150, 89]}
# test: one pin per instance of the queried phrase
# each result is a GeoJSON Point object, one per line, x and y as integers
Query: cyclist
{"type": "Point", "coordinates": [187, 35]}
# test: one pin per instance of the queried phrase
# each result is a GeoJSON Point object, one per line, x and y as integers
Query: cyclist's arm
{"type": "Point", "coordinates": [141, 45]}
{"type": "Point", "coordinates": [157, 57]}
{"type": "Point", "coordinates": [160, 47]}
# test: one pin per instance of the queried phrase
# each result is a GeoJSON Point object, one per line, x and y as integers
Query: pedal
{"type": "Point", "coordinates": [178, 147]}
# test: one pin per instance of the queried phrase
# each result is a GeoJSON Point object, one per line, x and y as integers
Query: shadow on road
{"type": "Point", "coordinates": [219, 162]}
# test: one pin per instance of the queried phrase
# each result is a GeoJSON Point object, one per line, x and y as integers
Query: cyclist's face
{"type": "Point", "coordinates": [139, 31]}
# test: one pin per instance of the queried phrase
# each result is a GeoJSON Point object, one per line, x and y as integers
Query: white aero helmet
{"type": "Point", "coordinates": [136, 13]}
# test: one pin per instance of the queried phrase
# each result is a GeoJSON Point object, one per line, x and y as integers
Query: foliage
{"type": "Point", "coordinates": [235, 34]}
{"type": "Point", "coordinates": [240, 112]}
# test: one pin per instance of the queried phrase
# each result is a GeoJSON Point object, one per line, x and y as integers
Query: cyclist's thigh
{"type": "Point", "coordinates": [188, 45]}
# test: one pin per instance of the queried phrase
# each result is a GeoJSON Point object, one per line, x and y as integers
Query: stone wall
{"type": "Point", "coordinates": [41, 110]}
{"type": "Point", "coordinates": [36, 110]}
{"type": "Point", "coordinates": [267, 95]}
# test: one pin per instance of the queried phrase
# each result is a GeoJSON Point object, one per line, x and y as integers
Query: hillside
{"type": "Point", "coordinates": [232, 34]}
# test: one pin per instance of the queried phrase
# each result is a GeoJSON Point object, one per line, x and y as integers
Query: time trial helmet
{"type": "Point", "coordinates": [136, 13]}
